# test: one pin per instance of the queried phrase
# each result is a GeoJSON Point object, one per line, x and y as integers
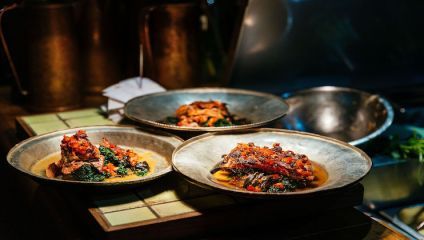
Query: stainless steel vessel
{"type": "Point", "coordinates": [346, 114]}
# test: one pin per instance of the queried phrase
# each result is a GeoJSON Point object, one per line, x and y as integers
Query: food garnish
{"type": "Point", "coordinates": [81, 160]}
{"type": "Point", "coordinates": [204, 114]}
{"type": "Point", "coordinates": [263, 169]}
{"type": "Point", "coordinates": [412, 147]}
{"type": "Point", "coordinates": [407, 146]}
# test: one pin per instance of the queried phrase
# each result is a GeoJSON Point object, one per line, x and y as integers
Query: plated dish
{"type": "Point", "coordinates": [81, 160]}
{"type": "Point", "coordinates": [204, 114]}
{"type": "Point", "coordinates": [267, 169]}
{"type": "Point", "coordinates": [270, 163]}
{"type": "Point", "coordinates": [206, 109]}
{"type": "Point", "coordinates": [100, 156]}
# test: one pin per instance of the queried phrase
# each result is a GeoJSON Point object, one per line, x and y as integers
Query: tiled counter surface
{"type": "Point", "coordinates": [43, 123]}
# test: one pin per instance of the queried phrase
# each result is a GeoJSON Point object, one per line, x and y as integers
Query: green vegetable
{"type": "Point", "coordinates": [410, 148]}
{"type": "Point", "coordinates": [141, 172]}
{"type": "Point", "coordinates": [171, 120]}
{"type": "Point", "coordinates": [109, 155]}
{"type": "Point", "coordinates": [88, 173]}
{"type": "Point", "coordinates": [106, 174]}
{"type": "Point", "coordinates": [413, 147]}
{"type": "Point", "coordinates": [222, 123]}
{"type": "Point", "coordinates": [273, 189]}
{"type": "Point", "coordinates": [289, 185]}
{"type": "Point", "coordinates": [141, 169]}
{"type": "Point", "coordinates": [122, 171]}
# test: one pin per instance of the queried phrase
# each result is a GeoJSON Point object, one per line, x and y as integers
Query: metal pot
{"type": "Point", "coordinates": [48, 56]}
{"type": "Point", "coordinates": [100, 28]}
{"type": "Point", "coordinates": [171, 36]}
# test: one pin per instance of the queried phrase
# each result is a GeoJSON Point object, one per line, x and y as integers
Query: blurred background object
{"type": "Point", "coordinates": [93, 44]}
{"type": "Point", "coordinates": [346, 114]}
{"type": "Point", "coordinates": [284, 45]}
{"type": "Point", "coordinates": [102, 27]}
{"type": "Point", "coordinates": [171, 34]}
{"type": "Point", "coordinates": [189, 43]}
{"type": "Point", "coordinates": [44, 52]}
{"type": "Point", "coordinates": [288, 45]}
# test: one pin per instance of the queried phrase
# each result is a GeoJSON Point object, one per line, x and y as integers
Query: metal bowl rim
{"type": "Point", "coordinates": [266, 194]}
{"type": "Point", "coordinates": [101, 184]}
{"type": "Point", "coordinates": [387, 122]}
{"type": "Point", "coordinates": [327, 88]}
{"type": "Point", "coordinates": [208, 90]}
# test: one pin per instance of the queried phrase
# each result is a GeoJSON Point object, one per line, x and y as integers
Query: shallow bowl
{"type": "Point", "coordinates": [257, 107]}
{"type": "Point", "coordinates": [344, 163]}
{"type": "Point", "coordinates": [25, 154]}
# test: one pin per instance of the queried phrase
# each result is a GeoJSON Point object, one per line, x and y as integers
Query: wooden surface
{"type": "Point", "coordinates": [31, 211]}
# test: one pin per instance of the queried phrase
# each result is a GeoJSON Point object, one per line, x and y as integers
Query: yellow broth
{"type": "Point", "coordinates": [150, 157]}
{"type": "Point", "coordinates": [223, 178]}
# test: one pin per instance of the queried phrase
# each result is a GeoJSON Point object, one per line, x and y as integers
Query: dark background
{"type": "Point", "coordinates": [375, 45]}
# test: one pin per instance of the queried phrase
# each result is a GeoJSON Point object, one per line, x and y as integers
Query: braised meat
{"type": "Point", "coordinates": [81, 160]}
{"type": "Point", "coordinates": [202, 114]}
{"type": "Point", "coordinates": [77, 150]}
{"type": "Point", "coordinates": [266, 169]}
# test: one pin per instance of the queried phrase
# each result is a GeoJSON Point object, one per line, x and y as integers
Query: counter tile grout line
{"type": "Point", "coordinates": [63, 120]}
{"type": "Point", "coordinates": [120, 210]}
{"type": "Point", "coordinates": [147, 205]}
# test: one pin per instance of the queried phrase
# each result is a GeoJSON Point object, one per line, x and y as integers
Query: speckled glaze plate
{"type": "Point", "coordinates": [344, 163]}
{"type": "Point", "coordinates": [257, 107]}
{"type": "Point", "coordinates": [25, 154]}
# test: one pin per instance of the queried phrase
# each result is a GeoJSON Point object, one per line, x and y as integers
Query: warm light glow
{"type": "Point", "coordinates": [249, 21]}
{"type": "Point", "coordinates": [257, 48]}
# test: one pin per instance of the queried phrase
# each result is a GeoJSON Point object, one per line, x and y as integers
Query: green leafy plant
{"type": "Point", "coordinates": [413, 147]}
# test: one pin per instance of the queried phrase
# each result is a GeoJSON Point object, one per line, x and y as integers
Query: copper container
{"type": "Point", "coordinates": [101, 47]}
{"type": "Point", "coordinates": [50, 76]}
{"type": "Point", "coordinates": [170, 36]}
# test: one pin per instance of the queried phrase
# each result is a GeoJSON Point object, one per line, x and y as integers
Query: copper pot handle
{"type": "Point", "coordinates": [147, 43]}
{"type": "Point", "coordinates": [6, 49]}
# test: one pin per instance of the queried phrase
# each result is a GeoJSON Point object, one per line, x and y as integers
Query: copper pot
{"type": "Point", "coordinates": [48, 70]}
{"type": "Point", "coordinates": [101, 49]}
{"type": "Point", "coordinates": [178, 38]}
{"type": "Point", "coordinates": [170, 33]}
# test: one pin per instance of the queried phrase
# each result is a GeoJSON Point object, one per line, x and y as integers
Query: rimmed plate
{"type": "Point", "coordinates": [257, 107]}
{"type": "Point", "coordinates": [25, 154]}
{"type": "Point", "coordinates": [344, 163]}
